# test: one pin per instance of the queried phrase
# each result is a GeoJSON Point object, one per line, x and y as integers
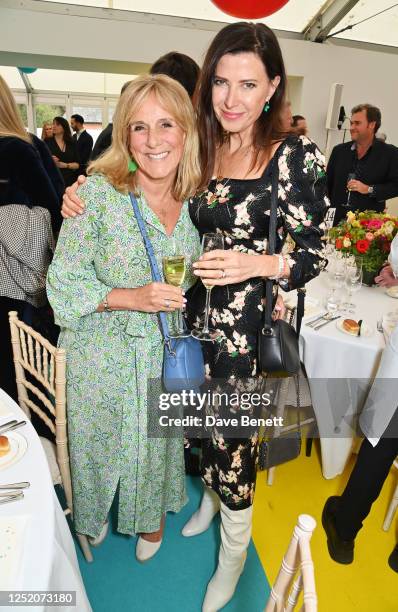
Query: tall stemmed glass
{"type": "Point", "coordinates": [174, 270]}
{"type": "Point", "coordinates": [210, 242]}
{"type": "Point", "coordinates": [353, 283]}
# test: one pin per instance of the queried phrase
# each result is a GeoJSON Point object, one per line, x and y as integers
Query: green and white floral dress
{"type": "Point", "coordinates": [110, 357]}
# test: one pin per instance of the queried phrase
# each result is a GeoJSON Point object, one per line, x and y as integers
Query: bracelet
{"type": "Point", "coordinates": [105, 304]}
{"type": "Point", "coordinates": [281, 268]}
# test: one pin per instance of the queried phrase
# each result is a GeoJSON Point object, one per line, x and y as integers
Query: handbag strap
{"type": "Point", "coordinates": [164, 328]}
{"type": "Point", "coordinates": [269, 283]}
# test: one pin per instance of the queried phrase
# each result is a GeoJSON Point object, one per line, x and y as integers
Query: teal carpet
{"type": "Point", "coordinates": [175, 579]}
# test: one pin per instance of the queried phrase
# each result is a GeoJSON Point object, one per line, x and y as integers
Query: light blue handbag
{"type": "Point", "coordinates": [183, 365]}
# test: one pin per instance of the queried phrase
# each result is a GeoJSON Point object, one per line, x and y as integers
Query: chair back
{"type": "Point", "coordinates": [46, 364]}
{"type": "Point", "coordinates": [296, 573]}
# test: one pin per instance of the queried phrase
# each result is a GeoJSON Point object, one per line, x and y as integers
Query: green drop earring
{"type": "Point", "coordinates": [266, 107]}
{"type": "Point", "coordinates": [132, 166]}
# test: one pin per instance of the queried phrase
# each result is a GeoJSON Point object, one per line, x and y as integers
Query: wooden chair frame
{"type": "Point", "coordinates": [392, 508]}
{"type": "Point", "coordinates": [47, 364]}
{"type": "Point", "coordinates": [297, 561]}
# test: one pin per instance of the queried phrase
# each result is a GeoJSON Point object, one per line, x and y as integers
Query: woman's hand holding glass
{"type": "Point", "coordinates": [219, 267]}
{"type": "Point", "coordinates": [157, 297]}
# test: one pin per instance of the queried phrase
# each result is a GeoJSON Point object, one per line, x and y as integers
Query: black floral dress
{"type": "Point", "coordinates": [239, 209]}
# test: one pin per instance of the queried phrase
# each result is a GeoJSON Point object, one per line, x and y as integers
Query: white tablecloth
{"type": "Point", "coordinates": [339, 368]}
{"type": "Point", "coordinates": [48, 561]}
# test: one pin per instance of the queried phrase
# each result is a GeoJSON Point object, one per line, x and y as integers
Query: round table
{"type": "Point", "coordinates": [47, 560]}
{"type": "Point", "coordinates": [340, 369]}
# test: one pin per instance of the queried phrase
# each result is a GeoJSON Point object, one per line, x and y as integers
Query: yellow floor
{"type": "Point", "coordinates": [368, 585]}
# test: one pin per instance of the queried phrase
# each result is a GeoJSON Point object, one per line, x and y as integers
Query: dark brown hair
{"type": "Point", "coordinates": [66, 127]}
{"type": "Point", "coordinates": [180, 67]}
{"type": "Point", "coordinates": [296, 119]}
{"type": "Point", "coordinates": [242, 37]}
{"type": "Point", "coordinates": [372, 114]}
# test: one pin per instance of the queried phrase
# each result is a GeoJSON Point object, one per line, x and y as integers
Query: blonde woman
{"type": "Point", "coordinates": [47, 130]}
{"type": "Point", "coordinates": [24, 182]}
{"type": "Point", "coordinates": [101, 290]}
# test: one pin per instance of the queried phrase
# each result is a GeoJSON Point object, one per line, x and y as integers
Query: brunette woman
{"type": "Point", "coordinates": [64, 150]}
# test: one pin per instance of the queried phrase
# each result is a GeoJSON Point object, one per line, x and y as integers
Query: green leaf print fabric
{"type": "Point", "coordinates": [110, 357]}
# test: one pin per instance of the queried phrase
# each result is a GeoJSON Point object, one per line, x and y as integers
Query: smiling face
{"type": "Point", "coordinates": [241, 88]}
{"type": "Point", "coordinates": [156, 140]}
{"type": "Point", "coordinates": [360, 129]}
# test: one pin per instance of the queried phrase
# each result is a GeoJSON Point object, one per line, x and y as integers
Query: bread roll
{"type": "Point", "coordinates": [351, 326]}
{"type": "Point", "coordinates": [4, 446]}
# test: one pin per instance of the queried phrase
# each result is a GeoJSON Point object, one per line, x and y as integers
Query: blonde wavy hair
{"type": "Point", "coordinates": [11, 123]}
{"type": "Point", "coordinates": [43, 129]}
{"type": "Point", "coordinates": [113, 163]}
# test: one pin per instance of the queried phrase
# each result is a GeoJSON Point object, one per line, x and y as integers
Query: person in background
{"type": "Point", "coordinates": [64, 150]}
{"type": "Point", "coordinates": [180, 67]}
{"type": "Point", "coordinates": [343, 515]}
{"type": "Point", "coordinates": [388, 276]}
{"type": "Point", "coordinates": [381, 136]}
{"type": "Point", "coordinates": [286, 116]}
{"type": "Point", "coordinates": [363, 173]}
{"type": "Point", "coordinates": [299, 125]}
{"type": "Point", "coordinates": [47, 130]}
{"type": "Point", "coordinates": [25, 182]}
{"type": "Point", "coordinates": [176, 65]}
{"type": "Point", "coordinates": [104, 140]}
{"type": "Point", "coordinates": [83, 141]}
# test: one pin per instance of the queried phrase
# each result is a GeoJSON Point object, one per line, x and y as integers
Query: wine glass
{"type": "Point", "coordinates": [350, 177]}
{"type": "Point", "coordinates": [174, 270]}
{"type": "Point", "coordinates": [353, 283]}
{"type": "Point", "coordinates": [210, 242]}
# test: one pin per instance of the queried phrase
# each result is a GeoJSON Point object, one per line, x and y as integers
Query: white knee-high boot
{"type": "Point", "coordinates": [202, 518]}
{"type": "Point", "coordinates": [236, 526]}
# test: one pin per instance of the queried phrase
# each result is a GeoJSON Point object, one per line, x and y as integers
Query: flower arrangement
{"type": "Point", "coordinates": [367, 235]}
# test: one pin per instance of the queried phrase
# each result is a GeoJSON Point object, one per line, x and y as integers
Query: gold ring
{"type": "Point", "coordinates": [223, 274]}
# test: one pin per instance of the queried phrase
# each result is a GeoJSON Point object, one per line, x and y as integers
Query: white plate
{"type": "Point", "coordinates": [18, 448]}
{"type": "Point", "coordinates": [392, 291]}
{"type": "Point", "coordinates": [366, 330]}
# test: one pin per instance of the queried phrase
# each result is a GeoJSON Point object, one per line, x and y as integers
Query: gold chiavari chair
{"type": "Point", "coordinates": [46, 364]}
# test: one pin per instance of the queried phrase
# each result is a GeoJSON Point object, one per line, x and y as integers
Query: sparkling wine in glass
{"type": "Point", "coordinates": [174, 270]}
{"type": "Point", "coordinates": [210, 242]}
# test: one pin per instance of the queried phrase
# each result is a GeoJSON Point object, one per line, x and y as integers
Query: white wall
{"type": "Point", "coordinates": [42, 29]}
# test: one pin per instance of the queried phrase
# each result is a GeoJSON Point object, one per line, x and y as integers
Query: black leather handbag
{"type": "Point", "coordinates": [278, 341]}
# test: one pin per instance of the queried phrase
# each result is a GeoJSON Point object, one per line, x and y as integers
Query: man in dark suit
{"type": "Point", "coordinates": [83, 140]}
{"type": "Point", "coordinates": [363, 173]}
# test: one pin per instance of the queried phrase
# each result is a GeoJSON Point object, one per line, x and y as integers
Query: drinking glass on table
{"type": "Point", "coordinates": [210, 242]}
{"type": "Point", "coordinates": [353, 281]}
{"type": "Point", "coordinates": [333, 302]}
{"type": "Point", "coordinates": [337, 274]}
{"type": "Point", "coordinates": [174, 270]}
